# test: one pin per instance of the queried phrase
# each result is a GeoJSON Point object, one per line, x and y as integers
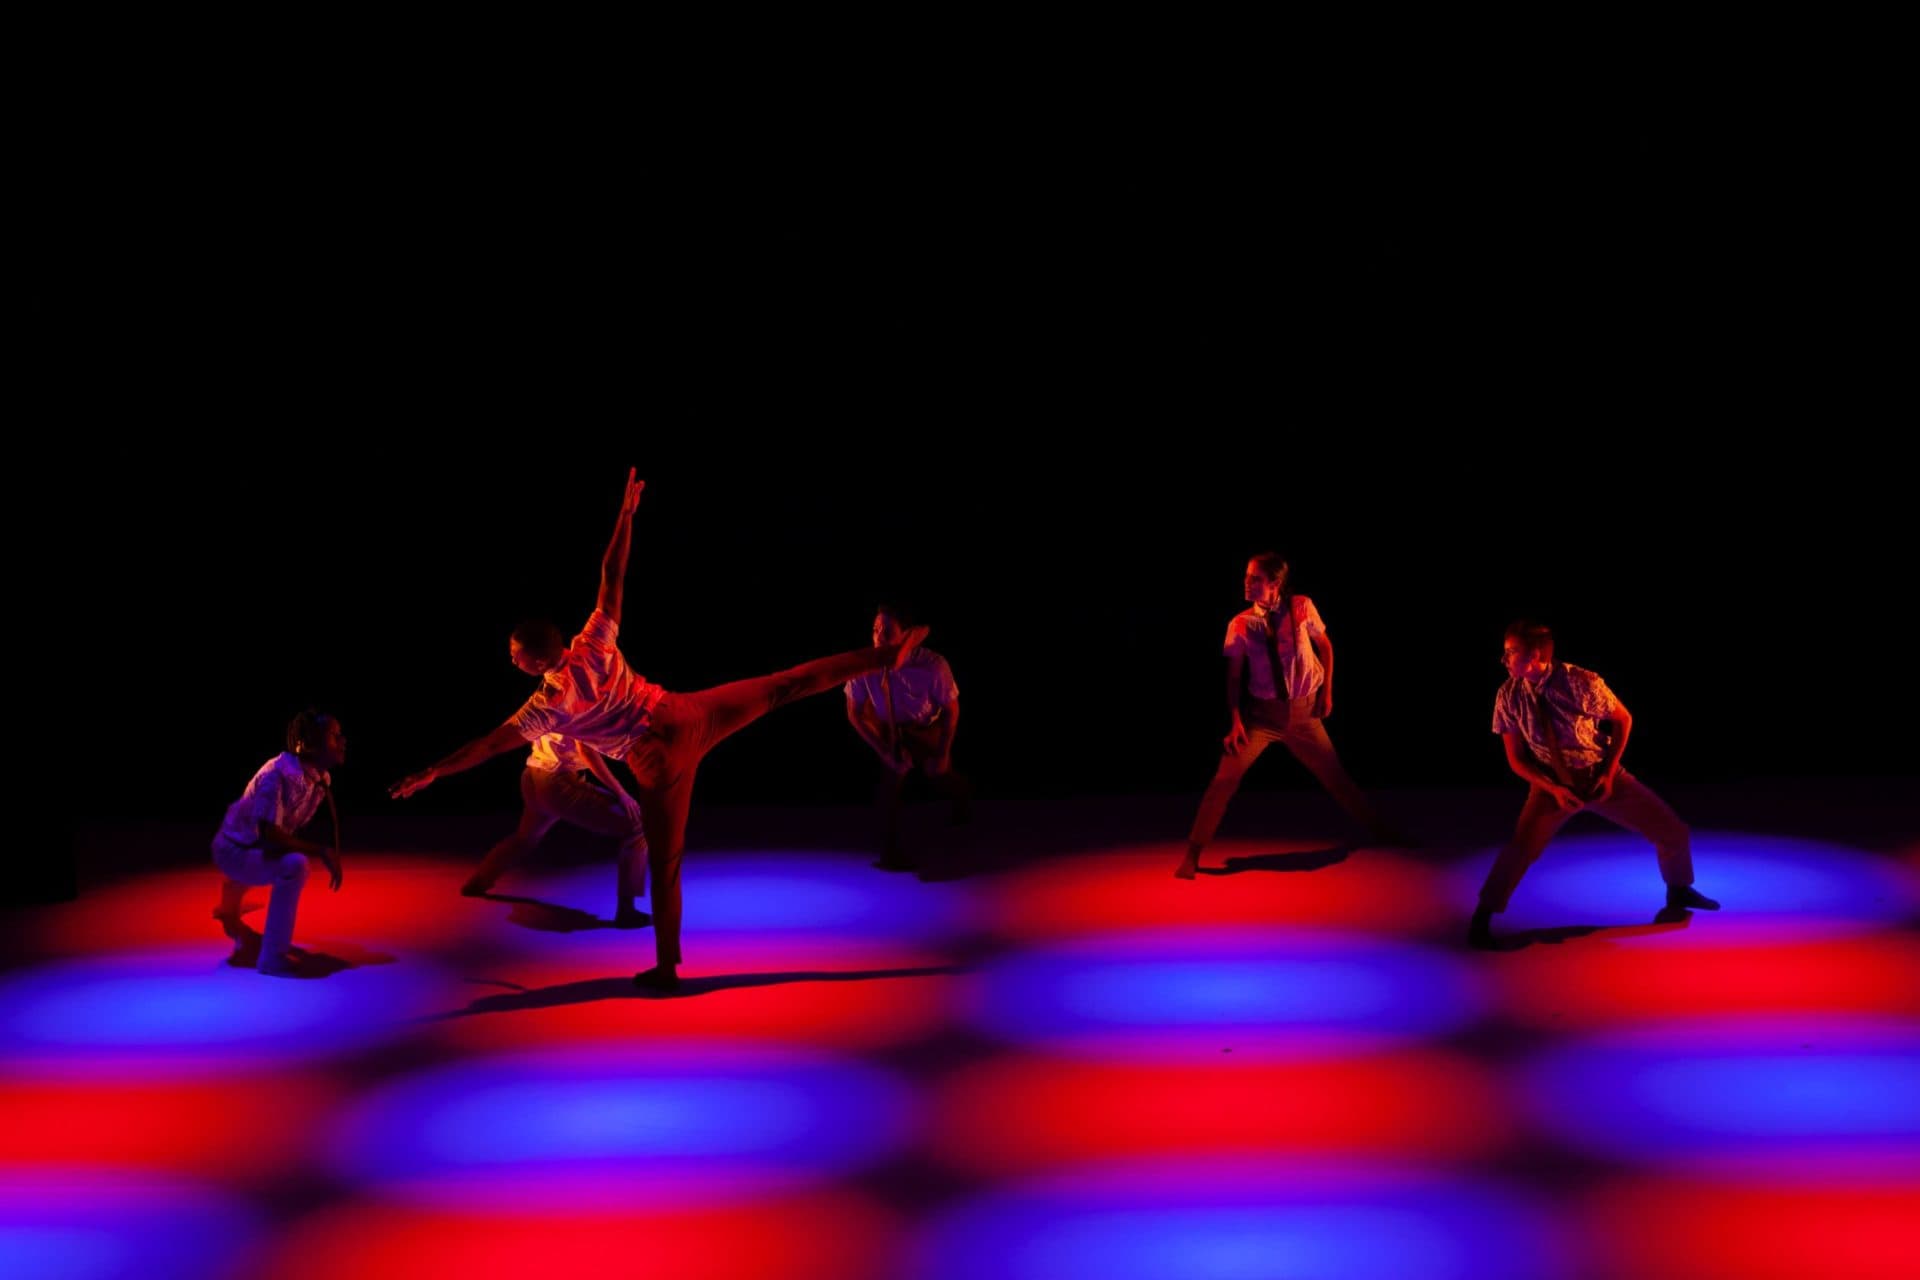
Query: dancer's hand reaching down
{"type": "Point", "coordinates": [411, 783]}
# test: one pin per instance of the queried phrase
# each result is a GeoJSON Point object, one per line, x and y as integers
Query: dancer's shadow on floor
{"type": "Point", "coordinates": [591, 990]}
{"type": "Point", "coordinates": [552, 917]}
{"type": "Point", "coordinates": [1297, 860]}
{"type": "Point", "coordinates": [312, 963]}
{"type": "Point", "coordinates": [1666, 920]}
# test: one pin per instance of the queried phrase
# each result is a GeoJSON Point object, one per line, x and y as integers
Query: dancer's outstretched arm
{"type": "Point", "coordinates": [613, 565]}
{"type": "Point", "coordinates": [479, 751]}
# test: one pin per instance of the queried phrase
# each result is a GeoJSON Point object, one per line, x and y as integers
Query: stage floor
{"type": "Point", "coordinates": [1041, 1058]}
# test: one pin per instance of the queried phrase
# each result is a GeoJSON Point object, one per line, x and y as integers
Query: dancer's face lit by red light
{"type": "Point", "coordinates": [1529, 665]}
{"type": "Point", "coordinates": [886, 630]}
{"type": "Point", "coordinates": [528, 661]}
{"type": "Point", "coordinates": [1263, 588]}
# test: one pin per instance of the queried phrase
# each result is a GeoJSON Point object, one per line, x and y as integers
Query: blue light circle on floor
{"type": "Point", "coordinates": [1254, 990]}
{"type": "Point", "coordinates": [175, 1009]}
{"type": "Point", "coordinates": [1244, 1220]}
{"type": "Point", "coordinates": [599, 1127]}
{"type": "Point", "coordinates": [69, 1226]}
{"type": "Point", "coordinates": [1806, 1095]}
{"type": "Point", "coordinates": [1612, 877]}
{"type": "Point", "coordinates": [779, 894]}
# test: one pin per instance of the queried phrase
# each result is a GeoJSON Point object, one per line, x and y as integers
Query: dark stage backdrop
{"type": "Point", "coordinates": [1081, 601]}
{"type": "Point", "coordinates": [345, 431]}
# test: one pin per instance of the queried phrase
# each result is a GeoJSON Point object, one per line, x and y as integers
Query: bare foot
{"type": "Point", "coordinates": [239, 931]}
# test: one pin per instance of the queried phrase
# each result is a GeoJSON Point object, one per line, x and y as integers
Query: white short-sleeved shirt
{"type": "Point", "coordinates": [1300, 665]}
{"type": "Point", "coordinates": [593, 696]}
{"type": "Point", "coordinates": [915, 693]}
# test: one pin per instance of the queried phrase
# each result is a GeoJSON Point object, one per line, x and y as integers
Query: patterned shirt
{"type": "Point", "coordinates": [285, 791]}
{"type": "Point", "coordinates": [918, 690]}
{"type": "Point", "coordinates": [1576, 700]}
